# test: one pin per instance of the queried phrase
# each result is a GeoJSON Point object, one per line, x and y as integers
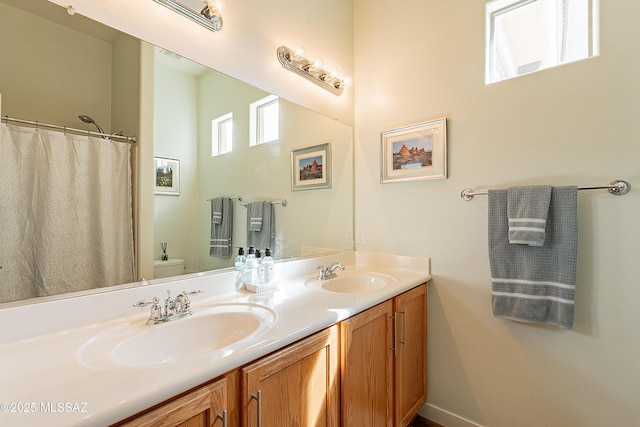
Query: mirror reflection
{"type": "Point", "coordinates": [229, 144]}
{"type": "Point", "coordinates": [57, 67]}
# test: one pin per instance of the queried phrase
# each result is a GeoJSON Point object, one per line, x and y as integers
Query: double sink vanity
{"type": "Point", "coordinates": [342, 351]}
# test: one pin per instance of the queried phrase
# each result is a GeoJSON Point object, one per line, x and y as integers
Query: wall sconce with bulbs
{"type": "Point", "coordinates": [312, 70]}
{"type": "Point", "coordinates": [209, 16]}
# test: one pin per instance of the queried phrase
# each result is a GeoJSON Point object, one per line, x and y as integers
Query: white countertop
{"type": "Point", "coordinates": [45, 382]}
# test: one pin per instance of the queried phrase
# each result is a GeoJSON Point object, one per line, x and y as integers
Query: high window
{"type": "Point", "coordinates": [222, 134]}
{"type": "Point", "coordinates": [264, 116]}
{"type": "Point", "coordinates": [523, 36]}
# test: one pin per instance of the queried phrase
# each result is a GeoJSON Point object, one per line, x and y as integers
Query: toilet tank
{"type": "Point", "coordinates": [171, 267]}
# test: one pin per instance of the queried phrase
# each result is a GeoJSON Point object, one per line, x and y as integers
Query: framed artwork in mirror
{"type": "Point", "coordinates": [311, 167]}
{"type": "Point", "coordinates": [167, 176]}
{"type": "Point", "coordinates": [414, 153]}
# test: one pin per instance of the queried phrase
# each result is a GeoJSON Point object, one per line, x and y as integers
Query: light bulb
{"type": "Point", "coordinates": [299, 53]}
{"type": "Point", "coordinates": [215, 6]}
{"type": "Point", "coordinates": [317, 62]}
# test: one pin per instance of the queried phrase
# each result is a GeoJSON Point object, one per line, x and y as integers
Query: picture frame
{"type": "Point", "coordinates": [167, 176]}
{"type": "Point", "coordinates": [416, 152]}
{"type": "Point", "coordinates": [311, 167]}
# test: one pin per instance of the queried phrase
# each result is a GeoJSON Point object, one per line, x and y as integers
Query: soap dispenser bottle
{"type": "Point", "coordinates": [241, 260]}
{"type": "Point", "coordinates": [249, 275]}
{"type": "Point", "coordinates": [267, 266]}
{"type": "Point", "coordinates": [260, 266]}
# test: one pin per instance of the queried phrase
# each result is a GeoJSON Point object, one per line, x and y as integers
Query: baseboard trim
{"type": "Point", "coordinates": [444, 417]}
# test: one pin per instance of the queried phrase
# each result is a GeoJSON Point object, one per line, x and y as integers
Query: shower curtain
{"type": "Point", "coordinates": [65, 213]}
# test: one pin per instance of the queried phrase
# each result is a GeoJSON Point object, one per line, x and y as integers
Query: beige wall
{"type": "Point", "coordinates": [175, 218]}
{"type": "Point", "coordinates": [52, 74]}
{"type": "Point", "coordinates": [577, 124]}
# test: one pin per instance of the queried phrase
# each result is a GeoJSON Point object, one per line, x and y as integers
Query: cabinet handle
{"type": "Point", "coordinates": [222, 417]}
{"type": "Point", "coordinates": [404, 328]}
{"type": "Point", "coordinates": [395, 321]}
{"type": "Point", "coordinates": [258, 398]}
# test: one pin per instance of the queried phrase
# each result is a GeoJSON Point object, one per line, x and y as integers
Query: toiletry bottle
{"type": "Point", "coordinates": [241, 260]}
{"type": "Point", "coordinates": [260, 270]}
{"type": "Point", "coordinates": [249, 273]}
{"type": "Point", "coordinates": [267, 265]}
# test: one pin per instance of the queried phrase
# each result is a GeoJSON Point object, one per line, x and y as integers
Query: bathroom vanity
{"type": "Point", "coordinates": [308, 353]}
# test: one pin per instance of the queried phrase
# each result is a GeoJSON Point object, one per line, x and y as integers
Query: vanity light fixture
{"type": "Point", "coordinates": [312, 70]}
{"type": "Point", "coordinates": [209, 16]}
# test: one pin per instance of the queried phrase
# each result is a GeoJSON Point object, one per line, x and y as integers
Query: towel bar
{"type": "Point", "coordinates": [239, 198]}
{"type": "Point", "coordinates": [282, 202]}
{"type": "Point", "coordinates": [617, 187]}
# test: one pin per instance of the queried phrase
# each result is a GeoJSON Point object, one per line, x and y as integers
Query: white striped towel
{"type": "Point", "coordinates": [527, 210]}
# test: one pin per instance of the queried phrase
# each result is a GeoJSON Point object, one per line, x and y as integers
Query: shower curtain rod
{"type": "Point", "coordinates": [130, 139]}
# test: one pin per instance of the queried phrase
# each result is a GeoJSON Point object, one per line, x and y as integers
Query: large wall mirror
{"type": "Point", "coordinates": [97, 70]}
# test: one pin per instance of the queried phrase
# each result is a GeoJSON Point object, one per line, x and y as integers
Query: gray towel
{"type": "Point", "coordinates": [265, 238]}
{"type": "Point", "coordinates": [527, 209]}
{"type": "Point", "coordinates": [216, 210]}
{"type": "Point", "coordinates": [221, 233]}
{"type": "Point", "coordinates": [535, 284]}
{"type": "Point", "coordinates": [255, 215]}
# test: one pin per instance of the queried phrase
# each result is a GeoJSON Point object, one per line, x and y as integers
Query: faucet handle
{"type": "Point", "coordinates": [144, 303]}
{"type": "Point", "coordinates": [155, 316]}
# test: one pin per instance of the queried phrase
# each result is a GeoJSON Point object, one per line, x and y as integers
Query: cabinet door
{"type": "Point", "coordinates": [203, 407]}
{"type": "Point", "coordinates": [296, 386]}
{"type": "Point", "coordinates": [411, 353]}
{"type": "Point", "coordinates": [367, 367]}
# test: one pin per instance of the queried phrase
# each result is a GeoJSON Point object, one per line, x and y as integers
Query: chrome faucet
{"type": "Point", "coordinates": [173, 308]}
{"type": "Point", "coordinates": [329, 271]}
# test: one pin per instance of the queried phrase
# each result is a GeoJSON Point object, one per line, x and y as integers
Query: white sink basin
{"type": "Point", "coordinates": [210, 332]}
{"type": "Point", "coordinates": [353, 282]}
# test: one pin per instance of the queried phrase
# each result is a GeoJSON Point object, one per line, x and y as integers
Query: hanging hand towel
{"type": "Point", "coordinates": [255, 215]}
{"type": "Point", "coordinates": [265, 238]}
{"type": "Point", "coordinates": [221, 233]}
{"type": "Point", "coordinates": [216, 210]}
{"type": "Point", "coordinates": [535, 284]}
{"type": "Point", "coordinates": [527, 210]}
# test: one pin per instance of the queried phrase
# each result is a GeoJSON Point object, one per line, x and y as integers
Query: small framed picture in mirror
{"type": "Point", "coordinates": [311, 167]}
{"type": "Point", "coordinates": [167, 176]}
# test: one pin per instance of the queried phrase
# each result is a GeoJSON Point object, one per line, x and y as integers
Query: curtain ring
{"type": "Point", "coordinates": [64, 130]}
{"type": "Point", "coordinates": [37, 124]}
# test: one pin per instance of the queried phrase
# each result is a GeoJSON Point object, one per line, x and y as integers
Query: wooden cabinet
{"type": "Point", "coordinates": [383, 362]}
{"type": "Point", "coordinates": [206, 406]}
{"type": "Point", "coordinates": [410, 310]}
{"type": "Point", "coordinates": [295, 386]}
{"type": "Point", "coordinates": [366, 358]}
